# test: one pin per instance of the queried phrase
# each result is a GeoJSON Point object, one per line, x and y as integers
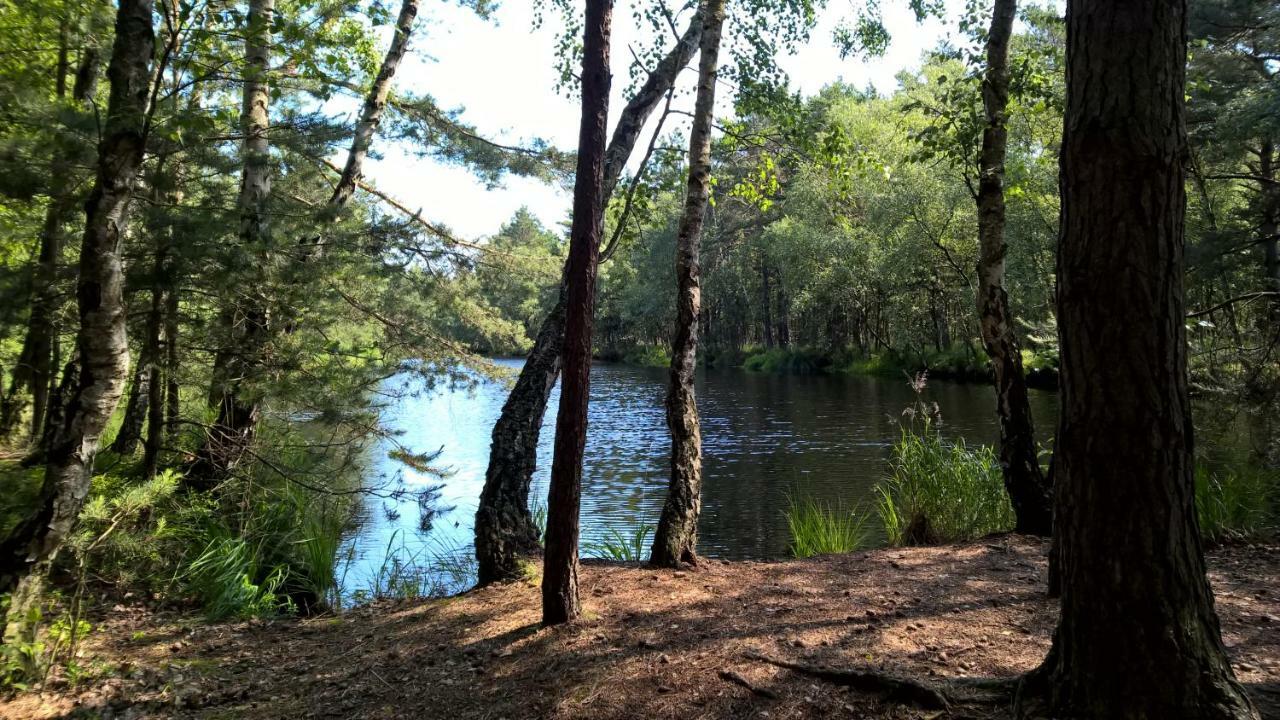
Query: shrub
{"type": "Point", "coordinates": [819, 529]}
{"type": "Point", "coordinates": [782, 360]}
{"type": "Point", "coordinates": [1236, 503]}
{"type": "Point", "coordinates": [940, 492]}
{"type": "Point", "coordinates": [619, 546]}
{"type": "Point", "coordinates": [648, 356]}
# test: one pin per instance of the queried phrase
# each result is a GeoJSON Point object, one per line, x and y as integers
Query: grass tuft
{"type": "Point", "coordinates": [819, 529]}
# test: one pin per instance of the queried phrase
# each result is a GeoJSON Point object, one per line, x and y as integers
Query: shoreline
{"type": "Point", "coordinates": [655, 643]}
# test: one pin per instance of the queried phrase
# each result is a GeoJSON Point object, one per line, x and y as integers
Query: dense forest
{"type": "Point", "coordinates": [219, 329]}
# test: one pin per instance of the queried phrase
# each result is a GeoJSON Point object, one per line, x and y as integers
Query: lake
{"type": "Point", "coordinates": [765, 437]}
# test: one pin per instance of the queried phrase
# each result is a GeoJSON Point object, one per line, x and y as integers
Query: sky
{"type": "Point", "coordinates": [502, 73]}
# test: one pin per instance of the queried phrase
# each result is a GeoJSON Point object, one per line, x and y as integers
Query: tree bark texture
{"type": "Point", "coordinates": [1138, 638]}
{"type": "Point", "coordinates": [101, 343]}
{"type": "Point", "coordinates": [560, 572]}
{"type": "Point", "coordinates": [34, 370]}
{"type": "Point", "coordinates": [374, 105]}
{"type": "Point", "coordinates": [676, 539]}
{"type": "Point", "coordinates": [505, 531]}
{"type": "Point", "coordinates": [1026, 484]}
{"type": "Point", "coordinates": [248, 324]}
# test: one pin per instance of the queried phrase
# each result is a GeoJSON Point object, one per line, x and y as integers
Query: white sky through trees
{"type": "Point", "coordinates": [502, 73]}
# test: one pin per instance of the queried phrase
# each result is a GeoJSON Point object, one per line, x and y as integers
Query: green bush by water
{"type": "Point", "coordinates": [819, 529]}
{"type": "Point", "coordinates": [1237, 503]}
{"type": "Point", "coordinates": [794, 361]}
{"type": "Point", "coordinates": [939, 491]}
{"type": "Point", "coordinates": [622, 547]}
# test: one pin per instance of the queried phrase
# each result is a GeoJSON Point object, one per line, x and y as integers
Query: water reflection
{"type": "Point", "coordinates": [765, 436]}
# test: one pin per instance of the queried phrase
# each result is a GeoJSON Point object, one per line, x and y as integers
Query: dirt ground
{"type": "Point", "coordinates": [655, 644]}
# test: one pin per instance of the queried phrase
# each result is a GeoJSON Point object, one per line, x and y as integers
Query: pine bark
{"type": "Point", "coordinates": [504, 527]}
{"type": "Point", "coordinates": [560, 571]}
{"type": "Point", "coordinates": [1138, 638]}
{"type": "Point", "coordinates": [248, 324]}
{"type": "Point", "coordinates": [1027, 487]}
{"type": "Point", "coordinates": [676, 538]}
{"type": "Point", "coordinates": [101, 343]}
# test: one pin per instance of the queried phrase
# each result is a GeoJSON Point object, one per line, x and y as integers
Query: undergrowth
{"type": "Point", "coordinates": [820, 529]}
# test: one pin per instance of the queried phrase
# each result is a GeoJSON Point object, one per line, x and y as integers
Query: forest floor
{"type": "Point", "coordinates": [654, 644]}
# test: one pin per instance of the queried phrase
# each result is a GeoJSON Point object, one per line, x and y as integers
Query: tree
{"type": "Point", "coordinates": [675, 540]}
{"type": "Point", "coordinates": [25, 555]}
{"type": "Point", "coordinates": [505, 531]}
{"type": "Point", "coordinates": [35, 367]}
{"type": "Point", "coordinates": [1028, 489]}
{"type": "Point", "coordinates": [1138, 636]}
{"type": "Point", "coordinates": [560, 571]}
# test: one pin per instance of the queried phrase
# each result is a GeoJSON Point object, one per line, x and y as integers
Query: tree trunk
{"type": "Point", "coordinates": [1269, 232]}
{"type": "Point", "coordinates": [1028, 490]}
{"type": "Point", "coordinates": [676, 538]}
{"type": "Point", "coordinates": [135, 410]}
{"type": "Point", "coordinates": [172, 388]}
{"type": "Point", "coordinates": [560, 572]}
{"type": "Point", "coordinates": [504, 527]}
{"type": "Point", "coordinates": [1138, 637]}
{"type": "Point", "coordinates": [103, 348]}
{"type": "Point", "coordinates": [34, 369]}
{"type": "Point", "coordinates": [248, 325]}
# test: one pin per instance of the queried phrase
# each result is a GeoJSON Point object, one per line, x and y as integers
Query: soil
{"type": "Point", "coordinates": [654, 644]}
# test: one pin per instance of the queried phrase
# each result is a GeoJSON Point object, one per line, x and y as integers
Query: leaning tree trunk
{"type": "Point", "coordinates": [135, 409]}
{"type": "Point", "coordinates": [676, 539]}
{"type": "Point", "coordinates": [34, 369]}
{"type": "Point", "coordinates": [1138, 637]}
{"type": "Point", "coordinates": [26, 553]}
{"type": "Point", "coordinates": [1028, 490]}
{"type": "Point", "coordinates": [560, 571]}
{"type": "Point", "coordinates": [505, 531]}
{"type": "Point", "coordinates": [248, 324]}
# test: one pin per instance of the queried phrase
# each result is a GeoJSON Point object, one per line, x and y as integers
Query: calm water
{"type": "Point", "coordinates": [765, 437]}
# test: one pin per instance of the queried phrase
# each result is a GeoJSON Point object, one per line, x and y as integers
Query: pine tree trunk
{"type": "Point", "coordinates": [1027, 487]}
{"type": "Point", "coordinates": [247, 325]}
{"type": "Point", "coordinates": [504, 527]}
{"type": "Point", "coordinates": [26, 553]}
{"type": "Point", "coordinates": [676, 539]}
{"type": "Point", "coordinates": [1138, 638]}
{"type": "Point", "coordinates": [560, 571]}
{"type": "Point", "coordinates": [34, 369]}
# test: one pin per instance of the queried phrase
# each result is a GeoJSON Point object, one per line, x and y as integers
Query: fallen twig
{"type": "Point", "coordinates": [894, 687]}
{"type": "Point", "coordinates": [737, 679]}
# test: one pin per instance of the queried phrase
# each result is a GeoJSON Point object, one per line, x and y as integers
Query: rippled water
{"type": "Point", "coordinates": [765, 436]}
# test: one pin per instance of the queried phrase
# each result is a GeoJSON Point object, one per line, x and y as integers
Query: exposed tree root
{"type": "Point", "coordinates": [736, 679]}
{"type": "Point", "coordinates": [893, 687]}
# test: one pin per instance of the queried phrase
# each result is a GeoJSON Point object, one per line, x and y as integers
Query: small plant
{"type": "Point", "coordinates": [538, 510]}
{"type": "Point", "coordinates": [1236, 503]}
{"type": "Point", "coordinates": [621, 547]}
{"type": "Point", "coordinates": [939, 491]}
{"type": "Point", "coordinates": [819, 529]}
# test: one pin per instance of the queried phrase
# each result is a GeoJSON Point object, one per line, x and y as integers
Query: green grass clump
{"type": "Point", "coordinates": [783, 360]}
{"type": "Point", "coordinates": [1237, 503]}
{"type": "Point", "coordinates": [648, 356]}
{"type": "Point", "coordinates": [819, 529]}
{"type": "Point", "coordinates": [939, 492]}
{"type": "Point", "coordinates": [619, 546]}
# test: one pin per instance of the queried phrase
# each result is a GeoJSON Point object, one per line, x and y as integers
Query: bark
{"type": "Point", "coordinates": [374, 105]}
{"type": "Point", "coordinates": [1269, 229]}
{"type": "Point", "coordinates": [676, 538]}
{"type": "Point", "coordinates": [505, 530]}
{"type": "Point", "coordinates": [103, 348]}
{"type": "Point", "coordinates": [560, 571]}
{"type": "Point", "coordinates": [34, 370]}
{"type": "Point", "coordinates": [248, 324]}
{"type": "Point", "coordinates": [172, 387]}
{"type": "Point", "coordinates": [135, 409]}
{"type": "Point", "coordinates": [1138, 637]}
{"type": "Point", "coordinates": [1025, 483]}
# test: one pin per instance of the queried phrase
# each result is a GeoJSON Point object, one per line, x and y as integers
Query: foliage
{"type": "Point", "coordinates": [1237, 502]}
{"type": "Point", "coordinates": [819, 529]}
{"type": "Point", "coordinates": [630, 546]}
{"type": "Point", "coordinates": [940, 492]}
